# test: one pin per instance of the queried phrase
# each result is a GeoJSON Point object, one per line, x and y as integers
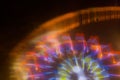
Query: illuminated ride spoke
{"type": "Point", "coordinates": [76, 59]}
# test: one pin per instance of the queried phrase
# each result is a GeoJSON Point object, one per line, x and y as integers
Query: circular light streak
{"type": "Point", "coordinates": [51, 54]}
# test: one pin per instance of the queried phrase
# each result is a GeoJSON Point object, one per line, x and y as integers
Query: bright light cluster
{"type": "Point", "coordinates": [68, 58]}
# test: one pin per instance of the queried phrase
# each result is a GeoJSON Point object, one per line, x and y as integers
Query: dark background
{"type": "Point", "coordinates": [19, 18]}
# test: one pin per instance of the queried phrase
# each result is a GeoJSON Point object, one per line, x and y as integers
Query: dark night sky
{"type": "Point", "coordinates": [19, 18]}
